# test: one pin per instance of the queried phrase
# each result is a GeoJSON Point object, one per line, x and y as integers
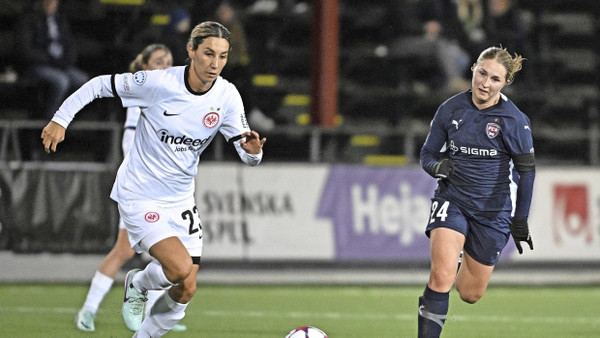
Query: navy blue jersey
{"type": "Point", "coordinates": [482, 145]}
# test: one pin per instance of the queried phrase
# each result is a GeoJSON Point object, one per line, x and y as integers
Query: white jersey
{"type": "Point", "coordinates": [175, 127]}
{"type": "Point", "coordinates": [131, 120]}
{"type": "Point", "coordinates": [132, 117]}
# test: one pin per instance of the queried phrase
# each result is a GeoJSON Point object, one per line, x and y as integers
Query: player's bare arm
{"type": "Point", "coordinates": [252, 143]}
{"type": "Point", "coordinates": [52, 135]}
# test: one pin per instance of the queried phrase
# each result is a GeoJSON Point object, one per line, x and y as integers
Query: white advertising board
{"type": "Point", "coordinates": [346, 213]}
{"type": "Point", "coordinates": [565, 216]}
{"type": "Point", "coordinates": [263, 212]}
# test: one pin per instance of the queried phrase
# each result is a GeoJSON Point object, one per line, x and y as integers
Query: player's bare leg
{"type": "Point", "coordinates": [167, 312]}
{"type": "Point", "coordinates": [174, 259]}
{"type": "Point", "coordinates": [445, 247]}
{"type": "Point", "coordinates": [173, 269]}
{"type": "Point", "coordinates": [116, 258]}
{"type": "Point", "coordinates": [472, 279]}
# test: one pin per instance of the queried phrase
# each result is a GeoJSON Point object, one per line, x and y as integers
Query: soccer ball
{"type": "Point", "coordinates": [306, 332]}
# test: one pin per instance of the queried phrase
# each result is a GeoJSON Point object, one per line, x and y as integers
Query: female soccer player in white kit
{"type": "Point", "coordinates": [153, 56]}
{"type": "Point", "coordinates": [183, 108]}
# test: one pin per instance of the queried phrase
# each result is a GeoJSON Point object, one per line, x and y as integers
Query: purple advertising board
{"type": "Point", "coordinates": [378, 213]}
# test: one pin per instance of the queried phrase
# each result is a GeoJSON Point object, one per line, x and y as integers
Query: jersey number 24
{"type": "Point", "coordinates": [439, 211]}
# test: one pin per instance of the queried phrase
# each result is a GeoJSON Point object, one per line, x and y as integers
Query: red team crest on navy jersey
{"type": "Point", "coordinates": [492, 130]}
{"type": "Point", "coordinates": [211, 120]}
{"type": "Point", "coordinates": [151, 217]}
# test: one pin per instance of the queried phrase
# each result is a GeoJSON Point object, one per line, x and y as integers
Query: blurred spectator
{"type": "Point", "coordinates": [204, 10]}
{"type": "Point", "coordinates": [239, 67]}
{"type": "Point", "coordinates": [471, 14]}
{"type": "Point", "coordinates": [49, 53]}
{"type": "Point", "coordinates": [431, 29]}
{"type": "Point", "coordinates": [176, 34]}
{"type": "Point", "coordinates": [505, 25]}
{"type": "Point", "coordinates": [284, 7]}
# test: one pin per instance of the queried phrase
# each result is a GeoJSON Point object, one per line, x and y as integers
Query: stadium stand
{"type": "Point", "coordinates": [13, 88]}
{"type": "Point", "coordinates": [376, 85]}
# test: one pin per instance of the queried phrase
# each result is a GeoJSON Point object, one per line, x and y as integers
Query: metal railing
{"type": "Point", "coordinates": [11, 154]}
{"type": "Point", "coordinates": [312, 144]}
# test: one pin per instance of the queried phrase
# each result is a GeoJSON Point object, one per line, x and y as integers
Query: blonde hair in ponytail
{"type": "Point", "coordinates": [142, 58]}
{"type": "Point", "coordinates": [513, 64]}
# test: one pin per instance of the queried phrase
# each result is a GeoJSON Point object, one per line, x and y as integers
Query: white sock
{"type": "Point", "coordinates": [152, 296]}
{"type": "Point", "coordinates": [164, 315]}
{"type": "Point", "coordinates": [99, 287]}
{"type": "Point", "coordinates": [151, 278]}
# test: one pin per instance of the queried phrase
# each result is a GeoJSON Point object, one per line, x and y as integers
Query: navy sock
{"type": "Point", "coordinates": [433, 307]}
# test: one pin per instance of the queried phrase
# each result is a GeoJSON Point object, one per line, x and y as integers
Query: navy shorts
{"type": "Point", "coordinates": [484, 239]}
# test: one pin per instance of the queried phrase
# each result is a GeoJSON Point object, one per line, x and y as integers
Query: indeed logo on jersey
{"type": "Point", "coordinates": [186, 143]}
{"type": "Point", "coordinates": [472, 151]}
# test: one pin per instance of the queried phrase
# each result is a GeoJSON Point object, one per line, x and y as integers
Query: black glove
{"type": "Point", "coordinates": [443, 168]}
{"type": "Point", "coordinates": [520, 232]}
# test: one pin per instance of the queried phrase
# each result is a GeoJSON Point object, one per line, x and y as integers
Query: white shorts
{"type": "Point", "coordinates": [121, 224]}
{"type": "Point", "coordinates": [148, 222]}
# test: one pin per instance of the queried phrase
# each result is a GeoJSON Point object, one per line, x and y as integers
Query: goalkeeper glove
{"type": "Point", "coordinates": [520, 232]}
{"type": "Point", "coordinates": [443, 168]}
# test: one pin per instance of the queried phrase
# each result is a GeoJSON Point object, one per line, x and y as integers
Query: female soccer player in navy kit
{"type": "Point", "coordinates": [182, 109]}
{"type": "Point", "coordinates": [481, 150]}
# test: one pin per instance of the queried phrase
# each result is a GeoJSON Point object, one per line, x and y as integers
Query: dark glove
{"type": "Point", "coordinates": [443, 168]}
{"type": "Point", "coordinates": [520, 232]}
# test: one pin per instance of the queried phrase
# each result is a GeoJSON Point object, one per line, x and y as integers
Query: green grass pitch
{"type": "Point", "coordinates": [48, 310]}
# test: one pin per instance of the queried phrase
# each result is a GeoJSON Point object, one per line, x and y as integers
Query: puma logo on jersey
{"type": "Point", "coordinates": [454, 122]}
